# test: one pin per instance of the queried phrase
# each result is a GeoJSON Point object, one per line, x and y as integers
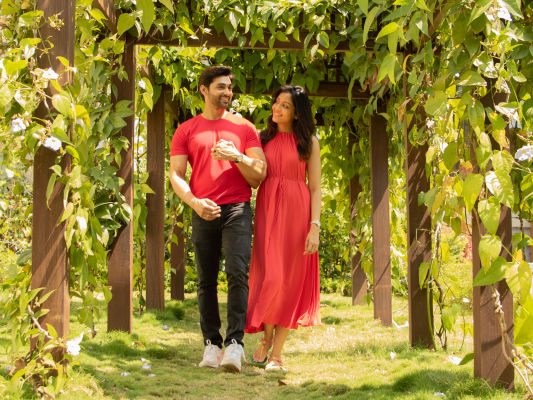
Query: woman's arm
{"type": "Point", "coordinates": [313, 181]}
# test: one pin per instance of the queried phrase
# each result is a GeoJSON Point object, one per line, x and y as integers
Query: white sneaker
{"type": "Point", "coordinates": [212, 355]}
{"type": "Point", "coordinates": [232, 357]}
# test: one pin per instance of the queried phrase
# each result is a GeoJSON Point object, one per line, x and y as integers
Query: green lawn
{"type": "Point", "coordinates": [351, 356]}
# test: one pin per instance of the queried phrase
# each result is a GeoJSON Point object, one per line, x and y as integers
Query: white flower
{"type": "Point", "coordinates": [493, 184]}
{"type": "Point", "coordinates": [502, 11]}
{"type": "Point", "coordinates": [17, 125]}
{"type": "Point", "coordinates": [146, 366]}
{"type": "Point", "coordinates": [524, 153]}
{"type": "Point", "coordinates": [142, 85]}
{"type": "Point", "coordinates": [79, 121]}
{"type": "Point", "coordinates": [430, 124]}
{"type": "Point", "coordinates": [454, 359]}
{"type": "Point", "coordinates": [2, 68]}
{"type": "Point", "coordinates": [52, 143]}
{"type": "Point", "coordinates": [73, 345]}
{"type": "Point", "coordinates": [392, 355]}
{"type": "Point", "coordinates": [165, 327]}
{"type": "Point", "coordinates": [50, 74]}
{"type": "Point", "coordinates": [82, 223]}
{"type": "Point", "coordinates": [124, 373]}
{"type": "Point", "coordinates": [18, 97]}
{"type": "Point", "coordinates": [151, 375]}
{"type": "Point", "coordinates": [10, 174]}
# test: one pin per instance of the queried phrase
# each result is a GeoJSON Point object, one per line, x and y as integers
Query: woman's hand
{"type": "Point", "coordinates": [312, 241]}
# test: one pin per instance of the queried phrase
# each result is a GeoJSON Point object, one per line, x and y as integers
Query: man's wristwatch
{"type": "Point", "coordinates": [239, 158]}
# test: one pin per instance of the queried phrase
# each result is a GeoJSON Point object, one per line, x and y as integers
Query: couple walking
{"type": "Point", "coordinates": [227, 158]}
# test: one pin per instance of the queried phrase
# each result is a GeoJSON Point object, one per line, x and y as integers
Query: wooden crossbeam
{"type": "Point", "coordinates": [212, 39]}
{"type": "Point", "coordinates": [108, 8]}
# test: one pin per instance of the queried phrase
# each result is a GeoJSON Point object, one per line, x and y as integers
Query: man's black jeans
{"type": "Point", "coordinates": [232, 232]}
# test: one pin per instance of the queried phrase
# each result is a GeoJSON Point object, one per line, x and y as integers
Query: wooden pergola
{"type": "Point", "coordinates": [50, 263]}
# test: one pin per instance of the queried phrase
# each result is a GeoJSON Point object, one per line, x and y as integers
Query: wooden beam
{"type": "Point", "coordinates": [490, 362]}
{"type": "Point", "coordinates": [212, 39]}
{"type": "Point", "coordinates": [49, 252]}
{"type": "Point", "coordinates": [108, 8]}
{"type": "Point", "coordinates": [155, 219]}
{"type": "Point", "coordinates": [120, 278]}
{"type": "Point", "coordinates": [177, 262]}
{"type": "Point", "coordinates": [418, 245]}
{"type": "Point", "coordinates": [359, 280]}
{"type": "Point", "coordinates": [379, 175]}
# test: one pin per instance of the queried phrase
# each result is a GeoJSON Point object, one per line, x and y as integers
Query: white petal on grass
{"type": "Point", "coordinates": [524, 153]}
{"type": "Point", "coordinates": [465, 300]}
{"type": "Point", "coordinates": [144, 360]}
{"type": "Point", "coordinates": [50, 74]}
{"type": "Point", "coordinates": [454, 359]}
{"type": "Point", "coordinates": [73, 345]}
{"type": "Point", "coordinates": [52, 143]}
{"type": "Point", "coordinates": [124, 373]}
{"type": "Point", "coordinates": [165, 327]}
{"type": "Point", "coordinates": [151, 375]}
{"type": "Point", "coordinates": [439, 394]}
{"type": "Point", "coordinates": [146, 366]}
{"type": "Point", "coordinates": [17, 125]}
{"type": "Point", "coordinates": [392, 355]}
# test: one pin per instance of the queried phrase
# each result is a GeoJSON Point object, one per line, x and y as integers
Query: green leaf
{"type": "Point", "coordinates": [13, 66]}
{"type": "Point", "coordinates": [61, 103]}
{"type": "Point", "coordinates": [436, 104]}
{"type": "Point", "coordinates": [423, 273]}
{"type": "Point", "coordinates": [494, 274]}
{"type": "Point", "coordinates": [148, 13]}
{"type": "Point", "coordinates": [489, 212]}
{"type": "Point", "coordinates": [387, 67]}
{"type": "Point", "coordinates": [323, 39]}
{"type": "Point", "coordinates": [363, 4]}
{"type": "Point", "coordinates": [489, 249]}
{"type": "Point", "coordinates": [471, 189]}
{"type": "Point", "coordinates": [483, 149]}
{"type": "Point", "coordinates": [368, 22]}
{"type": "Point", "coordinates": [388, 29]}
{"type": "Point", "coordinates": [467, 358]}
{"type": "Point", "coordinates": [168, 4]}
{"type": "Point", "coordinates": [501, 186]}
{"type": "Point", "coordinates": [502, 162]}
{"type": "Point", "coordinates": [125, 22]}
{"type": "Point", "coordinates": [479, 9]}
{"type": "Point", "coordinates": [450, 155]}
{"type": "Point", "coordinates": [471, 78]}
{"type": "Point", "coordinates": [422, 5]}
{"type": "Point", "coordinates": [50, 188]}
{"type": "Point", "coordinates": [146, 189]}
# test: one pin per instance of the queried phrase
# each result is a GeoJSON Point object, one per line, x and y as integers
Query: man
{"type": "Point", "coordinates": [226, 159]}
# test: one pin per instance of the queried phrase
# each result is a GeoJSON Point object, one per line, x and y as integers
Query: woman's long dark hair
{"type": "Point", "coordinates": [304, 126]}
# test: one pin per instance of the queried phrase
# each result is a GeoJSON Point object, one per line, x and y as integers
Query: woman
{"type": "Point", "coordinates": [284, 274]}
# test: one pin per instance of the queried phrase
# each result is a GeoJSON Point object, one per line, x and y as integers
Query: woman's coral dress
{"type": "Point", "coordinates": [284, 283]}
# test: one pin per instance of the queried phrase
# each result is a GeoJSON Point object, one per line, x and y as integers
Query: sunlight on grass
{"type": "Point", "coordinates": [351, 356]}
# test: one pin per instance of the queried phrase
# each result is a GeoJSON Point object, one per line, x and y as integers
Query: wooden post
{"type": "Point", "coordinates": [379, 175]}
{"type": "Point", "coordinates": [49, 253]}
{"type": "Point", "coordinates": [155, 219]}
{"type": "Point", "coordinates": [120, 278]}
{"type": "Point", "coordinates": [359, 281]}
{"type": "Point", "coordinates": [489, 360]}
{"type": "Point", "coordinates": [177, 262]}
{"type": "Point", "coordinates": [418, 242]}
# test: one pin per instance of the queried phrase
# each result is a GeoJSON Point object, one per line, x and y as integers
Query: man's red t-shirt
{"type": "Point", "coordinates": [217, 180]}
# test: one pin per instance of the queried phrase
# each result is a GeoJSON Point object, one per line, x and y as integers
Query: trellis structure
{"type": "Point", "coordinates": [50, 262]}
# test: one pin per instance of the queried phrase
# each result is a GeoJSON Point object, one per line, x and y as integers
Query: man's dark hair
{"type": "Point", "coordinates": [208, 75]}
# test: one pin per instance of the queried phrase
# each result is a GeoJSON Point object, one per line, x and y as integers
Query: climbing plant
{"type": "Point", "coordinates": [448, 56]}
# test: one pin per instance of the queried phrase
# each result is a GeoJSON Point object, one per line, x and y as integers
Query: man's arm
{"type": "Point", "coordinates": [205, 208]}
{"type": "Point", "coordinates": [253, 166]}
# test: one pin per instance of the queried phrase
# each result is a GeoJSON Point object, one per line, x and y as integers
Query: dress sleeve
{"type": "Point", "coordinates": [180, 141]}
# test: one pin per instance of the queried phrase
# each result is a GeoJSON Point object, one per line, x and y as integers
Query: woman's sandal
{"type": "Point", "coordinates": [275, 364]}
{"type": "Point", "coordinates": [266, 345]}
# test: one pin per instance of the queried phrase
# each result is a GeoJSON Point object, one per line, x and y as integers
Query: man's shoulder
{"type": "Point", "coordinates": [240, 121]}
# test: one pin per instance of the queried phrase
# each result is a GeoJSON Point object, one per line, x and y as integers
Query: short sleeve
{"type": "Point", "coordinates": [252, 138]}
{"type": "Point", "coordinates": [179, 144]}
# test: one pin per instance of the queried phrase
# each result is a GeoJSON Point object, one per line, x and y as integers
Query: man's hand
{"type": "Point", "coordinates": [206, 209]}
{"type": "Point", "coordinates": [225, 150]}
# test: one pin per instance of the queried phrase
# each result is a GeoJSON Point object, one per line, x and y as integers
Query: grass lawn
{"type": "Point", "coordinates": [351, 356]}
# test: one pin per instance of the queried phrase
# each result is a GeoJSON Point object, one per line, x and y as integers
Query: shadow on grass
{"type": "Point", "coordinates": [425, 383]}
